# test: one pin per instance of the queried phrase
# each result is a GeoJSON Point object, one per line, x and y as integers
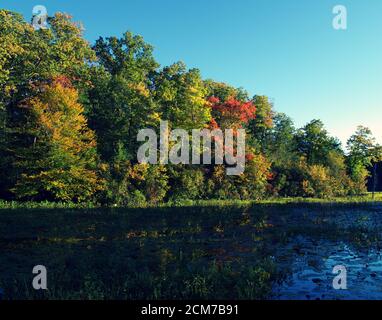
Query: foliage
{"type": "Point", "coordinates": [186, 183]}
{"type": "Point", "coordinates": [263, 123]}
{"type": "Point", "coordinates": [70, 114]}
{"type": "Point", "coordinates": [120, 102]}
{"type": "Point", "coordinates": [135, 184]}
{"type": "Point", "coordinates": [224, 92]}
{"type": "Point", "coordinates": [314, 142]}
{"type": "Point", "coordinates": [56, 128]}
{"type": "Point", "coordinates": [232, 114]}
{"type": "Point", "coordinates": [362, 153]}
{"type": "Point", "coordinates": [181, 97]}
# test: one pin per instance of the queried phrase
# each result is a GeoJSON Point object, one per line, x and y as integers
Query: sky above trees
{"type": "Point", "coordinates": [287, 50]}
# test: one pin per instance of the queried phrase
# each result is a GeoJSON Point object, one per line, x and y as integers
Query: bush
{"type": "Point", "coordinates": [135, 185]}
{"type": "Point", "coordinates": [187, 183]}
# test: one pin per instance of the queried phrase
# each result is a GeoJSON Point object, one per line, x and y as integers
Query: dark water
{"type": "Point", "coordinates": [311, 272]}
{"type": "Point", "coordinates": [173, 253]}
{"type": "Point", "coordinates": [344, 236]}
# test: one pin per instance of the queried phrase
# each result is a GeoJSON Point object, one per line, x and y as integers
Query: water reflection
{"type": "Point", "coordinates": [241, 252]}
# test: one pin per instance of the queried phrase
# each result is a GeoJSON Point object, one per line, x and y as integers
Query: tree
{"type": "Point", "coordinates": [263, 123]}
{"type": "Point", "coordinates": [314, 142]}
{"type": "Point", "coordinates": [121, 101]}
{"type": "Point", "coordinates": [54, 148]}
{"type": "Point", "coordinates": [360, 144]}
{"type": "Point", "coordinates": [29, 56]}
{"type": "Point", "coordinates": [224, 92]}
{"type": "Point", "coordinates": [281, 150]}
{"type": "Point", "coordinates": [187, 182]}
{"type": "Point", "coordinates": [232, 114]}
{"type": "Point", "coordinates": [360, 157]}
{"type": "Point", "coordinates": [58, 96]}
{"type": "Point", "coordinates": [308, 162]}
{"type": "Point", "coordinates": [27, 59]}
{"type": "Point", "coordinates": [280, 140]}
{"type": "Point", "coordinates": [180, 95]}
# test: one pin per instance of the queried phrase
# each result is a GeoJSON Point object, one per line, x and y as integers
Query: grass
{"type": "Point", "coordinates": [362, 199]}
{"type": "Point", "coordinates": [45, 205]}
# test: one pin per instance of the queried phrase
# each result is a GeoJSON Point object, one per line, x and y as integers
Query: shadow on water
{"type": "Point", "coordinates": [235, 252]}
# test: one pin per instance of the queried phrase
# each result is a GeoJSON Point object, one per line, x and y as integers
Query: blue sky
{"type": "Point", "coordinates": [286, 49]}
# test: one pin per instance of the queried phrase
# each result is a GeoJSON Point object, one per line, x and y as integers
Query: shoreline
{"type": "Point", "coordinates": [355, 200]}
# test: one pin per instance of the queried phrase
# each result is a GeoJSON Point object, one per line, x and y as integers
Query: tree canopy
{"type": "Point", "coordinates": [70, 113]}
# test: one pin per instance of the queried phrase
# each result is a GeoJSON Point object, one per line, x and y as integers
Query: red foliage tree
{"type": "Point", "coordinates": [232, 114]}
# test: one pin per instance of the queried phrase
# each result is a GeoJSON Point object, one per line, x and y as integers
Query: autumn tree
{"type": "Point", "coordinates": [54, 149]}
{"type": "Point", "coordinates": [232, 114]}
{"type": "Point", "coordinates": [29, 57]}
{"type": "Point", "coordinates": [59, 95]}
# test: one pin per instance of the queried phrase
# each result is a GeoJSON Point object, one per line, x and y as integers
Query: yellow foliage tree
{"type": "Point", "coordinates": [57, 158]}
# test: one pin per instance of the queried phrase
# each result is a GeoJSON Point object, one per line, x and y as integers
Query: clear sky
{"type": "Point", "coordinates": [286, 49]}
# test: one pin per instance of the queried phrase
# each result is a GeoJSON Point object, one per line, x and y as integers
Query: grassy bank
{"type": "Point", "coordinates": [363, 199]}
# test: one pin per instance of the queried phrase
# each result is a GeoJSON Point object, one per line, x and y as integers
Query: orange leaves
{"type": "Point", "coordinates": [64, 159]}
{"type": "Point", "coordinates": [61, 116]}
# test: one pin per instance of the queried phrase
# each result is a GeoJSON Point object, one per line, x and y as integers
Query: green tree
{"type": "Point", "coordinates": [314, 142]}
{"type": "Point", "coordinates": [180, 94]}
{"type": "Point", "coordinates": [186, 183]}
{"type": "Point", "coordinates": [225, 92]}
{"type": "Point", "coordinates": [360, 157]}
{"type": "Point", "coordinates": [280, 140]}
{"type": "Point", "coordinates": [263, 123]}
{"type": "Point", "coordinates": [121, 102]}
{"type": "Point", "coordinates": [360, 144]}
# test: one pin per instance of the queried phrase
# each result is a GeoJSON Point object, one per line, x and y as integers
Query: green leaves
{"type": "Point", "coordinates": [181, 96]}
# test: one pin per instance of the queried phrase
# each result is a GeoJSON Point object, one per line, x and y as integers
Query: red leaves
{"type": "Point", "coordinates": [249, 156]}
{"type": "Point", "coordinates": [213, 124]}
{"type": "Point", "coordinates": [213, 100]}
{"type": "Point", "coordinates": [232, 113]}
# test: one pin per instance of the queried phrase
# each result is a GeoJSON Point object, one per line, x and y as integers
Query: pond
{"type": "Point", "coordinates": [237, 252]}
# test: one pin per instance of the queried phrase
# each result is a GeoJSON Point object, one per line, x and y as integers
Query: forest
{"type": "Point", "coordinates": [70, 113]}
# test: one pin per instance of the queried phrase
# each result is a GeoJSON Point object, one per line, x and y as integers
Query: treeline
{"type": "Point", "coordinates": [70, 114]}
